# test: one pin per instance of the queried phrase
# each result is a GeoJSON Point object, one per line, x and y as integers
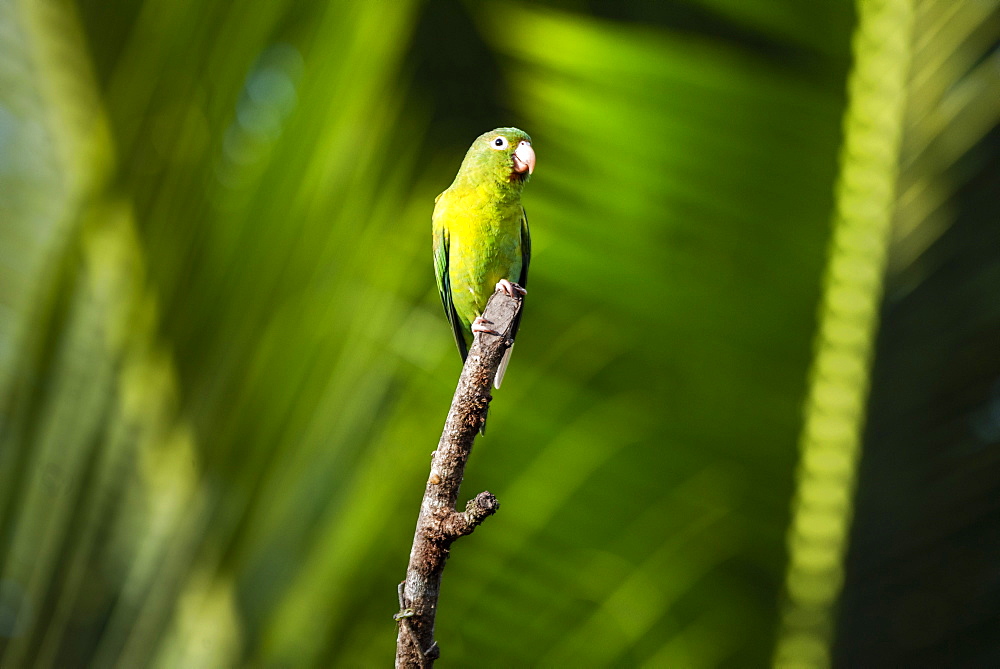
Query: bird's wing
{"type": "Point", "coordinates": [441, 249]}
{"type": "Point", "coordinates": [525, 250]}
{"type": "Point", "coordinates": [523, 281]}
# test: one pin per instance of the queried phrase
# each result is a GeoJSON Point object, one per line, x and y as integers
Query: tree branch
{"type": "Point", "coordinates": [439, 524]}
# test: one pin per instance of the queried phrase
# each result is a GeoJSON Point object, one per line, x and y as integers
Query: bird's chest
{"type": "Point", "coordinates": [487, 231]}
{"type": "Point", "coordinates": [485, 247]}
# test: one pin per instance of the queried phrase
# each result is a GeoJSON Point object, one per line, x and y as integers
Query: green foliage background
{"type": "Point", "coordinates": [223, 365]}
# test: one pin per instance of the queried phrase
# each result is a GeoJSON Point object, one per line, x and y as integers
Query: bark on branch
{"type": "Point", "coordinates": [439, 523]}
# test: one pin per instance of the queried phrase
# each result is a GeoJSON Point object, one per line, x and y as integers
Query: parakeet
{"type": "Point", "coordinates": [481, 239]}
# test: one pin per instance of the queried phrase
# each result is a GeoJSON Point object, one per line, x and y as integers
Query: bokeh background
{"type": "Point", "coordinates": [754, 412]}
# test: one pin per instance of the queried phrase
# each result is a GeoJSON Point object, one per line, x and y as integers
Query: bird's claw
{"type": "Point", "coordinates": [509, 288]}
{"type": "Point", "coordinates": [483, 325]}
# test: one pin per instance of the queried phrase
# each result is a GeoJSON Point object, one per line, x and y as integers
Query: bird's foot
{"type": "Point", "coordinates": [483, 325]}
{"type": "Point", "coordinates": [510, 288]}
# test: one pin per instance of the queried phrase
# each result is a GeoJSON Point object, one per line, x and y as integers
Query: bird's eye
{"type": "Point", "coordinates": [500, 143]}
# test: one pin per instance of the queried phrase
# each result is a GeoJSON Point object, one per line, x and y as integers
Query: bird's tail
{"type": "Point", "coordinates": [502, 369]}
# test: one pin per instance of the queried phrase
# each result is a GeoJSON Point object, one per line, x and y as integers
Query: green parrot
{"type": "Point", "coordinates": [481, 240]}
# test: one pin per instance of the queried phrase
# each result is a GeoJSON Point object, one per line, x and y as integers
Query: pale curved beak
{"type": "Point", "coordinates": [524, 158]}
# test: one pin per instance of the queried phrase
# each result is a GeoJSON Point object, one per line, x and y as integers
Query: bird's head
{"type": "Point", "coordinates": [504, 155]}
